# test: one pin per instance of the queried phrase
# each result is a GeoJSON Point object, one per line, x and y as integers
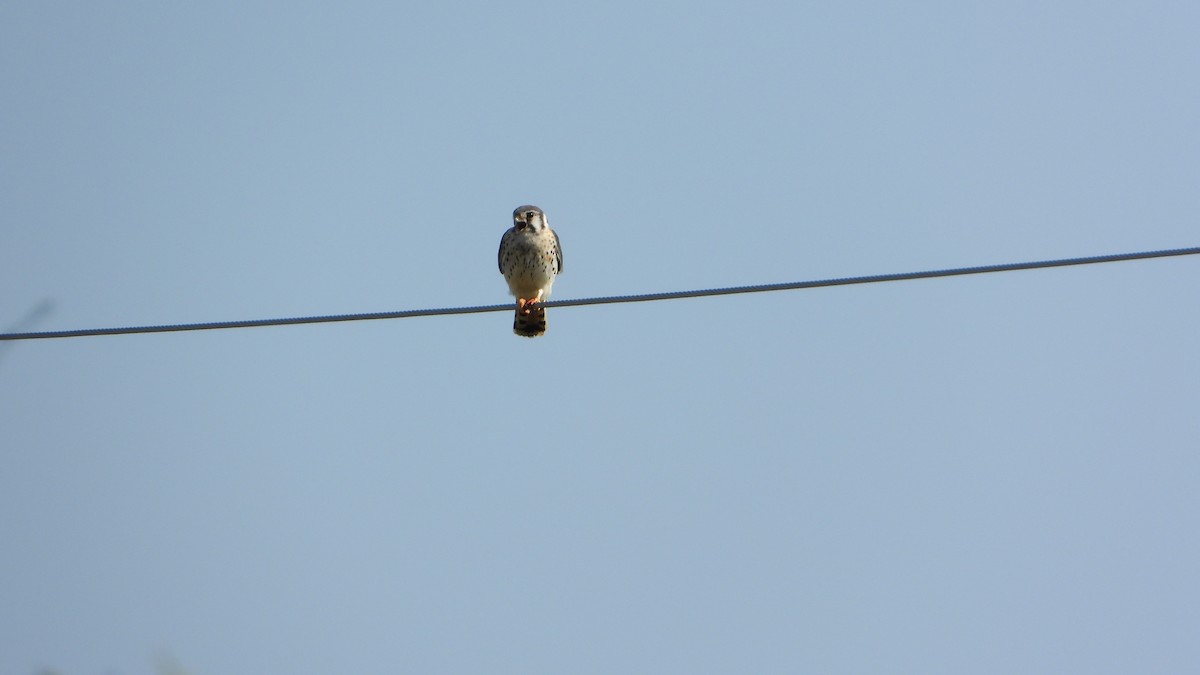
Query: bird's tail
{"type": "Point", "coordinates": [530, 321]}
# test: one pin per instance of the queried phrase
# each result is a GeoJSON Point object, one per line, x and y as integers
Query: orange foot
{"type": "Point", "coordinates": [527, 305]}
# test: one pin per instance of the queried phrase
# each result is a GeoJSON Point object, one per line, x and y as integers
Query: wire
{"type": "Point", "coordinates": [645, 297]}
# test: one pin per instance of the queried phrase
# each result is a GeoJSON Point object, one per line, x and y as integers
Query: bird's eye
{"type": "Point", "coordinates": [529, 214]}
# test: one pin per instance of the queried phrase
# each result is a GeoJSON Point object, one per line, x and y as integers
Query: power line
{"type": "Point", "coordinates": [644, 297]}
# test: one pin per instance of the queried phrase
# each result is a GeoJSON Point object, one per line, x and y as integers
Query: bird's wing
{"type": "Point", "coordinates": [557, 251]}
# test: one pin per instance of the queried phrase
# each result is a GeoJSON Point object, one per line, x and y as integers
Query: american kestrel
{"type": "Point", "coordinates": [530, 259]}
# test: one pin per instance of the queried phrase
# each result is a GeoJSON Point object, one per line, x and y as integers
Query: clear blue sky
{"type": "Point", "coordinates": [976, 475]}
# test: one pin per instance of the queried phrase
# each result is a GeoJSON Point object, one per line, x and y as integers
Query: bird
{"type": "Point", "coordinates": [530, 259]}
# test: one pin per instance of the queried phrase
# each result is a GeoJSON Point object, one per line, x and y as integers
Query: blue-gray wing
{"type": "Point", "coordinates": [500, 253]}
{"type": "Point", "coordinates": [557, 250]}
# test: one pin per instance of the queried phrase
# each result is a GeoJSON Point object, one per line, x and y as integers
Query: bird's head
{"type": "Point", "coordinates": [529, 217]}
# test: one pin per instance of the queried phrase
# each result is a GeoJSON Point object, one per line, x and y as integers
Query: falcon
{"type": "Point", "coordinates": [530, 258]}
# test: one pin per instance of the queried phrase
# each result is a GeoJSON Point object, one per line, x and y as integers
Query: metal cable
{"type": "Point", "coordinates": [644, 297]}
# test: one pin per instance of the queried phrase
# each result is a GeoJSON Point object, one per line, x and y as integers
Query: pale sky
{"type": "Point", "coordinates": [991, 474]}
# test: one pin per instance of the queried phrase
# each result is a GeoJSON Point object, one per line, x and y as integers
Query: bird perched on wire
{"type": "Point", "coordinates": [530, 258]}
